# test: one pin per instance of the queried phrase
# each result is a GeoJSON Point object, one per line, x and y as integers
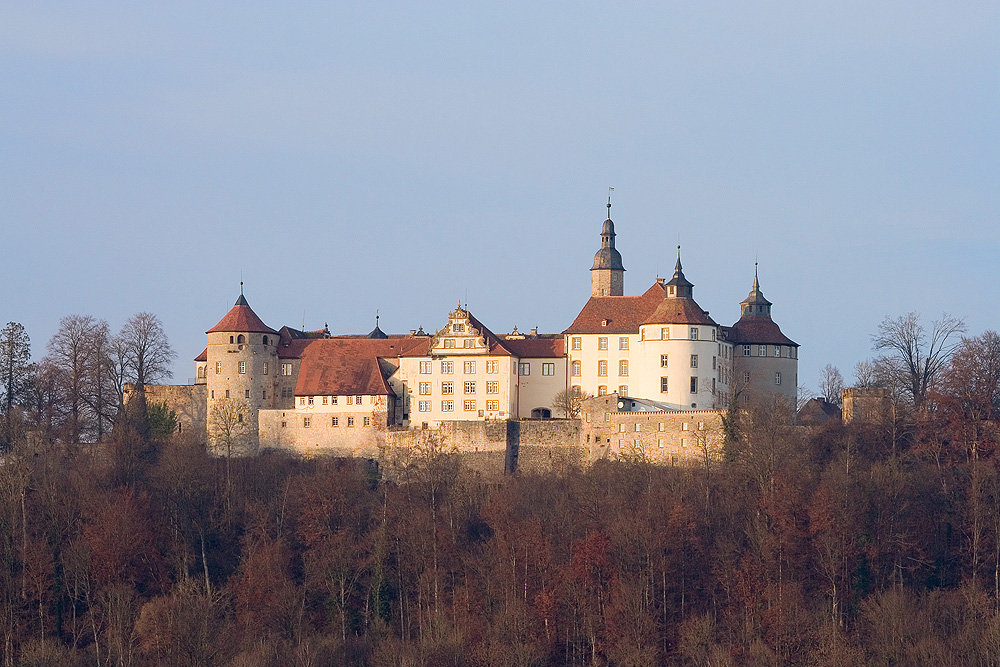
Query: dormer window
{"type": "Point", "coordinates": [604, 323]}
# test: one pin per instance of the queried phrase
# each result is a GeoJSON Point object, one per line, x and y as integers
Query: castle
{"type": "Point", "coordinates": [657, 358]}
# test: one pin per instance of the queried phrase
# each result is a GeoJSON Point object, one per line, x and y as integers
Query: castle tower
{"type": "Point", "coordinates": [766, 361]}
{"type": "Point", "coordinates": [242, 370]}
{"type": "Point", "coordinates": [607, 277]}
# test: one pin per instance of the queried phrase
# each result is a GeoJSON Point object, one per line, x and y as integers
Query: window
{"type": "Point", "coordinates": [468, 406]}
{"type": "Point", "coordinates": [241, 339]}
{"type": "Point", "coordinates": [227, 393]}
{"type": "Point", "coordinates": [470, 387]}
{"type": "Point", "coordinates": [493, 367]}
{"type": "Point", "coordinates": [637, 428]}
{"type": "Point", "coordinates": [263, 394]}
{"type": "Point", "coordinates": [659, 427]}
{"type": "Point", "coordinates": [424, 388]}
{"type": "Point", "coordinates": [694, 333]}
{"type": "Point", "coordinates": [762, 350]}
{"type": "Point", "coordinates": [447, 406]}
{"type": "Point", "coordinates": [684, 443]}
{"type": "Point", "coordinates": [469, 342]}
{"type": "Point", "coordinates": [548, 369]}
{"type": "Point", "coordinates": [230, 340]}
{"type": "Point", "coordinates": [493, 405]}
{"type": "Point", "coordinates": [425, 367]}
{"type": "Point", "coordinates": [350, 422]}
{"type": "Point", "coordinates": [218, 367]}
{"type": "Point", "coordinates": [302, 400]}
{"type": "Point", "coordinates": [367, 421]}
{"type": "Point", "coordinates": [201, 372]}
{"type": "Point", "coordinates": [659, 442]}
{"type": "Point", "coordinates": [663, 361]}
{"type": "Point", "coordinates": [664, 385]}
{"type": "Point", "coordinates": [469, 367]}
{"type": "Point", "coordinates": [265, 340]}
{"type": "Point", "coordinates": [714, 334]}
{"type": "Point", "coordinates": [777, 350]}
{"type": "Point", "coordinates": [286, 369]}
{"type": "Point", "coordinates": [602, 343]}
{"type": "Point", "coordinates": [777, 377]}
{"type": "Point", "coordinates": [447, 388]}
{"type": "Point", "coordinates": [241, 367]}
{"type": "Point", "coordinates": [524, 368]}
{"type": "Point", "coordinates": [623, 343]}
{"type": "Point", "coordinates": [665, 333]}
{"type": "Point", "coordinates": [576, 343]}
{"type": "Point", "coordinates": [622, 390]}
{"type": "Point", "coordinates": [306, 422]}
{"type": "Point", "coordinates": [623, 368]}
{"type": "Point", "coordinates": [350, 400]}
{"type": "Point", "coordinates": [449, 343]}
{"type": "Point", "coordinates": [326, 399]}
{"type": "Point", "coordinates": [246, 394]}
{"type": "Point", "coordinates": [335, 422]}
{"type": "Point", "coordinates": [424, 406]}
{"type": "Point", "coordinates": [458, 327]}
{"type": "Point", "coordinates": [265, 368]}
{"type": "Point", "coordinates": [492, 387]}
{"type": "Point", "coordinates": [621, 428]}
{"type": "Point", "coordinates": [713, 363]}
{"type": "Point", "coordinates": [602, 390]}
{"type": "Point", "coordinates": [746, 350]}
{"type": "Point", "coordinates": [286, 392]}
{"type": "Point", "coordinates": [447, 367]}
{"type": "Point", "coordinates": [239, 417]}
{"type": "Point", "coordinates": [602, 368]}
{"type": "Point", "coordinates": [694, 385]}
{"type": "Point", "coordinates": [746, 376]}
{"type": "Point", "coordinates": [333, 400]}
{"type": "Point", "coordinates": [576, 369]}
{"type": "Point", "coordinates": [694, 361]}
{"type": "Point", "coordinates": [312, 400]}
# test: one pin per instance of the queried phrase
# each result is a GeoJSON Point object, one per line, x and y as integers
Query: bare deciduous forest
{"type": "Point", "coordinates": [873, 543]}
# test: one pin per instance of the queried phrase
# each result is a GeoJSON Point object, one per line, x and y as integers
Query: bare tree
{"type": "Point", "coordinates": [920, 355]}
{"type": "Point", "coordinates": [569, 402]}
{"type": "Point", "coordinates": [72, 353]}
{"type": "Point", "coordinates": [831, 384]}
{"type": "Point", "coordinates": [141, 354]}
{"type": "Point", "coordinates": [229, 434]}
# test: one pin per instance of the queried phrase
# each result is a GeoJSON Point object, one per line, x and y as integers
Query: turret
{"type": "Point", "coordinates": [242, 370]}
{"type": "Point", "coordinates": [607, 277]}
{"type": "Point", "coordinates": [679, 287]}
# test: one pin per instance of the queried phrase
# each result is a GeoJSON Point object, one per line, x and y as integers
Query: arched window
{"type": "Point", "coordinates": [241, 339]}
{"type": "Point", "coordinates": [265, 340]}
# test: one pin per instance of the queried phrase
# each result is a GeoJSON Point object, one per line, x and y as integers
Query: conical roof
{"type": "Point", "coordinates": [242, 319]}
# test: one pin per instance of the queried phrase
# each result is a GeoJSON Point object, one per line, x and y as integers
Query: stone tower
{"type": "Point", "coordinates": [766, 360]}
{"type": "Point", "coordinates": [242, 369]}
{"type": "Point", "coordinates": [607, 277]}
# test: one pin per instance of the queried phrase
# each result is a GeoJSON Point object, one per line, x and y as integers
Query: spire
{"type": "Point", "coordinates": [241, 301]}
{"type": "Point", "coordinates": [376, 332]}
{"type": "Point", "coordinates": [679, 286]}
{"type": "Point", "coordinates": [755, 305]}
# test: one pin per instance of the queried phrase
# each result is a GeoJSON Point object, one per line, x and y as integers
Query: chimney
{"type": "Point", "coordinates": [413, 332]}
{"type": "Point", "coordinates": [534, 331]}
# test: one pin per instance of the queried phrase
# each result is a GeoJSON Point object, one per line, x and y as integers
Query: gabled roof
{"type": "Point", "coordinates": [242, 319]}
{"type": "Point", "coordinates": [679, 310]}
{"type": "Point", "coordinates": [537, 348]}
{"type": "Point", "coordinates": [340, 366]}
{"type": "Point", "coordinates": [760, 330]}
{"type": "Point", "coordinates": [623, 314]}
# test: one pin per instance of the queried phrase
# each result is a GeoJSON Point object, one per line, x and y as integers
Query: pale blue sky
{"type": "Point", "coordinates": [348, 157]}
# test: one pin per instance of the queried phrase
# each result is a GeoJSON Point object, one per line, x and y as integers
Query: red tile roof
{"type": "Point", "coordinates": [203, 356]}
{"type": "Point", "coordinates": [679, 310]}
{"type": "Point", "coordinates": [536, 348]}
{"type": "Point", "coordinates": [340, 366]}
{"type": "Point", "coordinates": [759, 330]}
{"type": "Point", "coordinates": [624, 314]}
{"type": "Point", "coordinates": [241, 318]}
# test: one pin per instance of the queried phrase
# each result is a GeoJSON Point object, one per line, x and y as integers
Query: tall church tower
{"type": "Point", "coordinates": [242, 368]}
{"type": "Point", "coordinates": [607, 277]}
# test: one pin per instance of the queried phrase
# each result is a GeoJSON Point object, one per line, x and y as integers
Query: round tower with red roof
{"type": "Point", "coordinates": [241, 365]}
{"type": "Point", "coordinates": [766, 360]}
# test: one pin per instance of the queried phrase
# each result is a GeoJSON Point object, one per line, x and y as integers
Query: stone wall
{"type": "Point", "coordinates": [189, 403]}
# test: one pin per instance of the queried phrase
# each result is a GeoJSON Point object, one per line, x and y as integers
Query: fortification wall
{"type": "Point", "coordinates": [189, 403]}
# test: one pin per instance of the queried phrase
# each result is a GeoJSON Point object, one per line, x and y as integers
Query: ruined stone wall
{"type": "Point", "coordinates": [189, 403]}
